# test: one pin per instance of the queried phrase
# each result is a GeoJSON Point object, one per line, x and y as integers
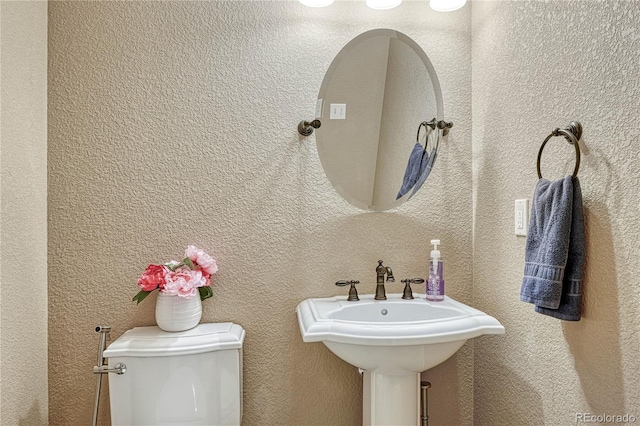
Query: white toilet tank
{"type": "Point", "coordinates": [191, 377]}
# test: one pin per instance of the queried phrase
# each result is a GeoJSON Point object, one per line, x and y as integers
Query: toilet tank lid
{"type": "Point", "coordinates": [152, 341]}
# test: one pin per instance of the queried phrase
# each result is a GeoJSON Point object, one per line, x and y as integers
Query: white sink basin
{"type": "Point", "coordinates": [406, 335]}
{"type": "Point", "coordinates": [393, 341]}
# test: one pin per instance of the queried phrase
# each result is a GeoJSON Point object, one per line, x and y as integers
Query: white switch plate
{"type": "Point", "coordinates": [338, 112]}
{"type": "Point", "coordinates": [521, 217]}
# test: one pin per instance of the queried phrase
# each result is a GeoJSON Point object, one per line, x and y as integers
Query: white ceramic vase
{"type": "Point", "coordinates": [175, 313]}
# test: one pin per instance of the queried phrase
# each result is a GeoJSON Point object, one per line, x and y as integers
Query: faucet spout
{"type": "Point", "coordinates": [390, 278]}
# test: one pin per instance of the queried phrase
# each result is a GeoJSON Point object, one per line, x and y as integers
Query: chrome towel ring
{"type": "Point", "coordinates": [572, 134]}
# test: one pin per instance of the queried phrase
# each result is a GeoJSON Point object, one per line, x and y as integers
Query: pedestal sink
{"type": "Point", "coordinates": [393, 341]}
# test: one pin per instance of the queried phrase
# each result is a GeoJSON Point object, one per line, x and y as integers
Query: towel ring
{"type": "Point", "coordinates": [426, 129]}
{"type": "Point", "coordinates": [429, 126]}
{"type": "Point", "coordinates": [572, 134]}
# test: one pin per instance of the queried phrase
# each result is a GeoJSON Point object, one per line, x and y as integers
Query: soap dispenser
{"type": "Point", "coordinates": [435, 282]}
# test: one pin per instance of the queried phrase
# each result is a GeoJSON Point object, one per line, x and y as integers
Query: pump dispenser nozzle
{"type": "Point", "coordinates": [435, 250]}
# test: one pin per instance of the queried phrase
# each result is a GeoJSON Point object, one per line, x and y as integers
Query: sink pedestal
{"type": "Point", "coordinates": [391, 400]}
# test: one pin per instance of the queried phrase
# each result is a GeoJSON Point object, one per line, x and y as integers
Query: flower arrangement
{"type": "Point", "coordinates": [182, 279]}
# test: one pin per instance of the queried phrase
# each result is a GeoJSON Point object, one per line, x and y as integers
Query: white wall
{"type": "Point", "coordinates": [23, 217]}
{"type": "Point", "coordinates": [537, 66]}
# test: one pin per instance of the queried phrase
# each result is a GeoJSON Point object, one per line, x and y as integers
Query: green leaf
{"type": "Point", "coordinates": [173, 266]}
{"type": "Point", "coordinates": [189, 263]}
{"type": "Point", "coordinates": [140, 296]}
{"type": "Point", "coordinates": [205, 292]}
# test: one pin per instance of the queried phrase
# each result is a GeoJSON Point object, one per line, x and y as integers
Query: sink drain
{"type": "Point", "coordinates": [383, 312]}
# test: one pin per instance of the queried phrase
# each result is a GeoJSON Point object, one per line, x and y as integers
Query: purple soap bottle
{"type": "Point", "coordinates": [435, 282]}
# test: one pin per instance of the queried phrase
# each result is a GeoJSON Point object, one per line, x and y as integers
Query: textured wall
{"type": "Point", "coordinates": [23, 204]}
{"type": "Point", "coordinates": [536, 66]}
{"type": "Point", "coordinates": [174, 123]}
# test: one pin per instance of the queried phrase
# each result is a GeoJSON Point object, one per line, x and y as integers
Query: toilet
{"type": "Point", "coordinates": [191, 377]}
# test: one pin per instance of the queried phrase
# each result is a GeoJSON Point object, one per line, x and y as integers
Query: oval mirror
{"type": "Point", "coordinates": [376, 94]}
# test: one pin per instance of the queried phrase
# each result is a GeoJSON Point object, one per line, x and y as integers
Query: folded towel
{"type": "Point", "coordinates": [571, 299]}
{"type": "Point", "coordinates": [417, 159]}
{"type": "Point", "coordinates": [547, 246]}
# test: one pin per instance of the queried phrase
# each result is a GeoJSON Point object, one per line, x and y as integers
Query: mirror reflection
{"type": "Point", "coordinates": [376, 102]}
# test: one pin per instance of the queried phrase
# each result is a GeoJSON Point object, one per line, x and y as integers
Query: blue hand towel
{"type": "Point", "coordinates": [547, 246]}
{"type": "Point", "coordinates": [571, 299]}
{"type": "Point", "coordinates": [417, 158]}
{"type": "Point", "coordinates": [425, 169]}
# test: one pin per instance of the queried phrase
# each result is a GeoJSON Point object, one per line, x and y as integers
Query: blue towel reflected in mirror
{"type": "Point", "coordinates": [420, 162]}
{"type": "Point", "coordinates": [426, 169]}
{"type": "Point", "coordinates": [412, 173]}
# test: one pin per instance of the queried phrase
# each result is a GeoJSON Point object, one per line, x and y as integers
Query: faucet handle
{"type": "Point", "coordinates": [407, 293]}
{"type": "Point", "coordinates": [353, 293]}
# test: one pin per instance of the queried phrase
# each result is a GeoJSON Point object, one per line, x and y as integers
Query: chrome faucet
{"type": "Point", "coordinates": [381, 271]}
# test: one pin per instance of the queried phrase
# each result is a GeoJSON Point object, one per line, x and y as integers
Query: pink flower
{"type": "Point", "coordinates": [202, 259]}
{"type": "Point", "coordinates": [153, 277]}
{"type": "Point", "coordinates": [183, 282]}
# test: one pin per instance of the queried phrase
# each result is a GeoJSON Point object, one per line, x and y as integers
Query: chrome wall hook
{"type": "Point", "coordinates": [445, 126]}
{"type": "Point", "coordinates": [305, 128]}
{"type": "Point", "coordinates": [575, 128]}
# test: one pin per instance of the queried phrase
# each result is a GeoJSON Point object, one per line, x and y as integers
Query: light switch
{"type": "Point", "coordinates": [521, 216]}
{"type": "Point", "coordinates": [338, 111]}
